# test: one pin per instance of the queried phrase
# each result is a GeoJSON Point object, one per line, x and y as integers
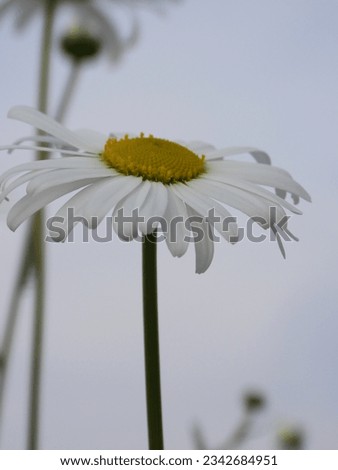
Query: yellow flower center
{"type": "Point", "coordinates": [153, 159]}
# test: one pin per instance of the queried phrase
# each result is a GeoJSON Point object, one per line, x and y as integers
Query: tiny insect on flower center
{"type": "Point", "coordinates": [153, 159]}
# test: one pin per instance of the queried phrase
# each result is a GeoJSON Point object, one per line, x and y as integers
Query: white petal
{"type": "Point", "coordinates": [57, 177]}
{"type": "Point", "coordinates": [251, 188]}
{"type": "Point", "coordinates": [115, 44]}
{"type": "Point", "coordinates": [50, 126]}
{"type": "Point", "coordinates": [5, 6]}
{"type": "Point", "coordinates": [28, 205]}
{"type": "Point", "coordinates": [95, 137]}
{"type": "Point", "coordinates": [204, 246]}
{"type": "Point", "coordinates": [69, 215]}
{"type": "Point", "coordinates": [107, 194]}
{"type": "Point", "coordinates": [258, 155]}
{"type": "Point", "coordinates": [153, 206]}
{"type": "Point", "coordinates": [69, 162]}
{"type": "Point", "coordinates": [201, 203]}
{"type": "Point", "coordinates": [279, 240]}
{"type": "Point", "coordinates": [176, 232]}
{"type": "Point", "coordinates": [93, 202]}
{"type": "Point", "coordinates": [26, 11]}
{"type": "Point", "coordinates": [54, 149]}
{"type": "Point", "coordinates": [251, 205]}
{"type": "Point", "coordinates": [38, 138]}
{"type": "Point", "coordinates": [261, 174]}
{"type": "Point", "coordinates": [290, 234]}
{"type": "Point", "coordinates": [127, 211]}
{"type": "Point", "coordinates": [200, 148]}
{"type": "Point", "coordinates": [19, 181]}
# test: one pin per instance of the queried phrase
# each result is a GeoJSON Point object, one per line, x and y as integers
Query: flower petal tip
{"type": "Point", "coordinates": [16, 111]}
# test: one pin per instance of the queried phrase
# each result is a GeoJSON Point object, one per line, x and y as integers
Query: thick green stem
{"type": "Point", "coordinates": [151, 343]}
{"type": "Point", "coordinates": [38, 243]}
{"type": "Point", "coordinates": [35, 386]}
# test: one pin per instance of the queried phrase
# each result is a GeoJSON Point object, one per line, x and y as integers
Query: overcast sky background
{"type": "Point", "coordinates": [231, 72]}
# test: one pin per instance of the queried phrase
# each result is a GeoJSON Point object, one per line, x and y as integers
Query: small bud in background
{"type": "Point", "coordinates": [254, 401]}
{"type": "Point", "coordinates": [290, 439]}
{"type": "Point", "coordinates": [79, 44]}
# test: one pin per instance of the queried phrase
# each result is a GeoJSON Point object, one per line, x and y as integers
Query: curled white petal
{"type": "Point", "coordinates": [203, 243]}
{"type": "Point", "coordinates": [256, 207]}
{"type": "Point", "coordinates": [30, 204]}
{"type": "Point", "coordinates": [175, 230]}
{"type": "Point", "coordinates": [153, 207]}
{"type": "Point", "coordinates": [202, 204]}
{"type": "Point", "coordinates": [258, 155]}
{"type": "Point", "coordinates": [61, 176]}
{"type": "Point", "coordinates": [50, 126]}
{"type": "Point", "coordinates": [126, 213]}
{"type": "Point", "coordinates": [135, 201]}
{"type": "Point", "coordinates": [251, 188]}
{"type": "Point", "coordinates": [261, 174]}
{"type": "Point", "coordinates": [93, 202]}
{"type": "Point", "coordinates": [107, 194]}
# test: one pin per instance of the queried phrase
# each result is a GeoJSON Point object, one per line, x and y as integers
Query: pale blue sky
{"type": "Point", "coordinates": [237, 72]}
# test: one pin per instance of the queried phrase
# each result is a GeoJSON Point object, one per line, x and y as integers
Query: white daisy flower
{"type": "Point", "coordinates": [158, 178]}
{"type": "Point", "coordinates": [26, 9]}
{"type": "Point", "coordinates": [91, 15]}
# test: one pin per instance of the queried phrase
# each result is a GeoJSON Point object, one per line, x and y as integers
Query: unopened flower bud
{"type": "Point", "coordinates": [79, 44]}
{"type": "Point", "coordinates": [290, 439]}
{"type": "Point", "coordinates": [253, 401]}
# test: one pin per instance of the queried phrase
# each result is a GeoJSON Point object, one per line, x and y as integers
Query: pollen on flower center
{"type": "Point", "coordinates": [153, 159]}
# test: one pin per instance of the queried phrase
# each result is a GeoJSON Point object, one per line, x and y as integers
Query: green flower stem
{"type": "Point", "coordinates": [38, 243]}
{"type": "Point", "coordinates": [151, 343]}
{"type": "Point", "coordinates": [36, 361]}
{"type": "Point", "coordinates": [68, 90]}
{"type": "Point", "coordinates": [26, 268]}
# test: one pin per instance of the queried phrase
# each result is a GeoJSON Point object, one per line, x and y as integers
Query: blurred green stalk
{"type": "Point", "coordinates": [68, 90]}
{"type": "Point", "coordinates": [32, 260]}
{"type": "Point", "coordinates": [38, 243]}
